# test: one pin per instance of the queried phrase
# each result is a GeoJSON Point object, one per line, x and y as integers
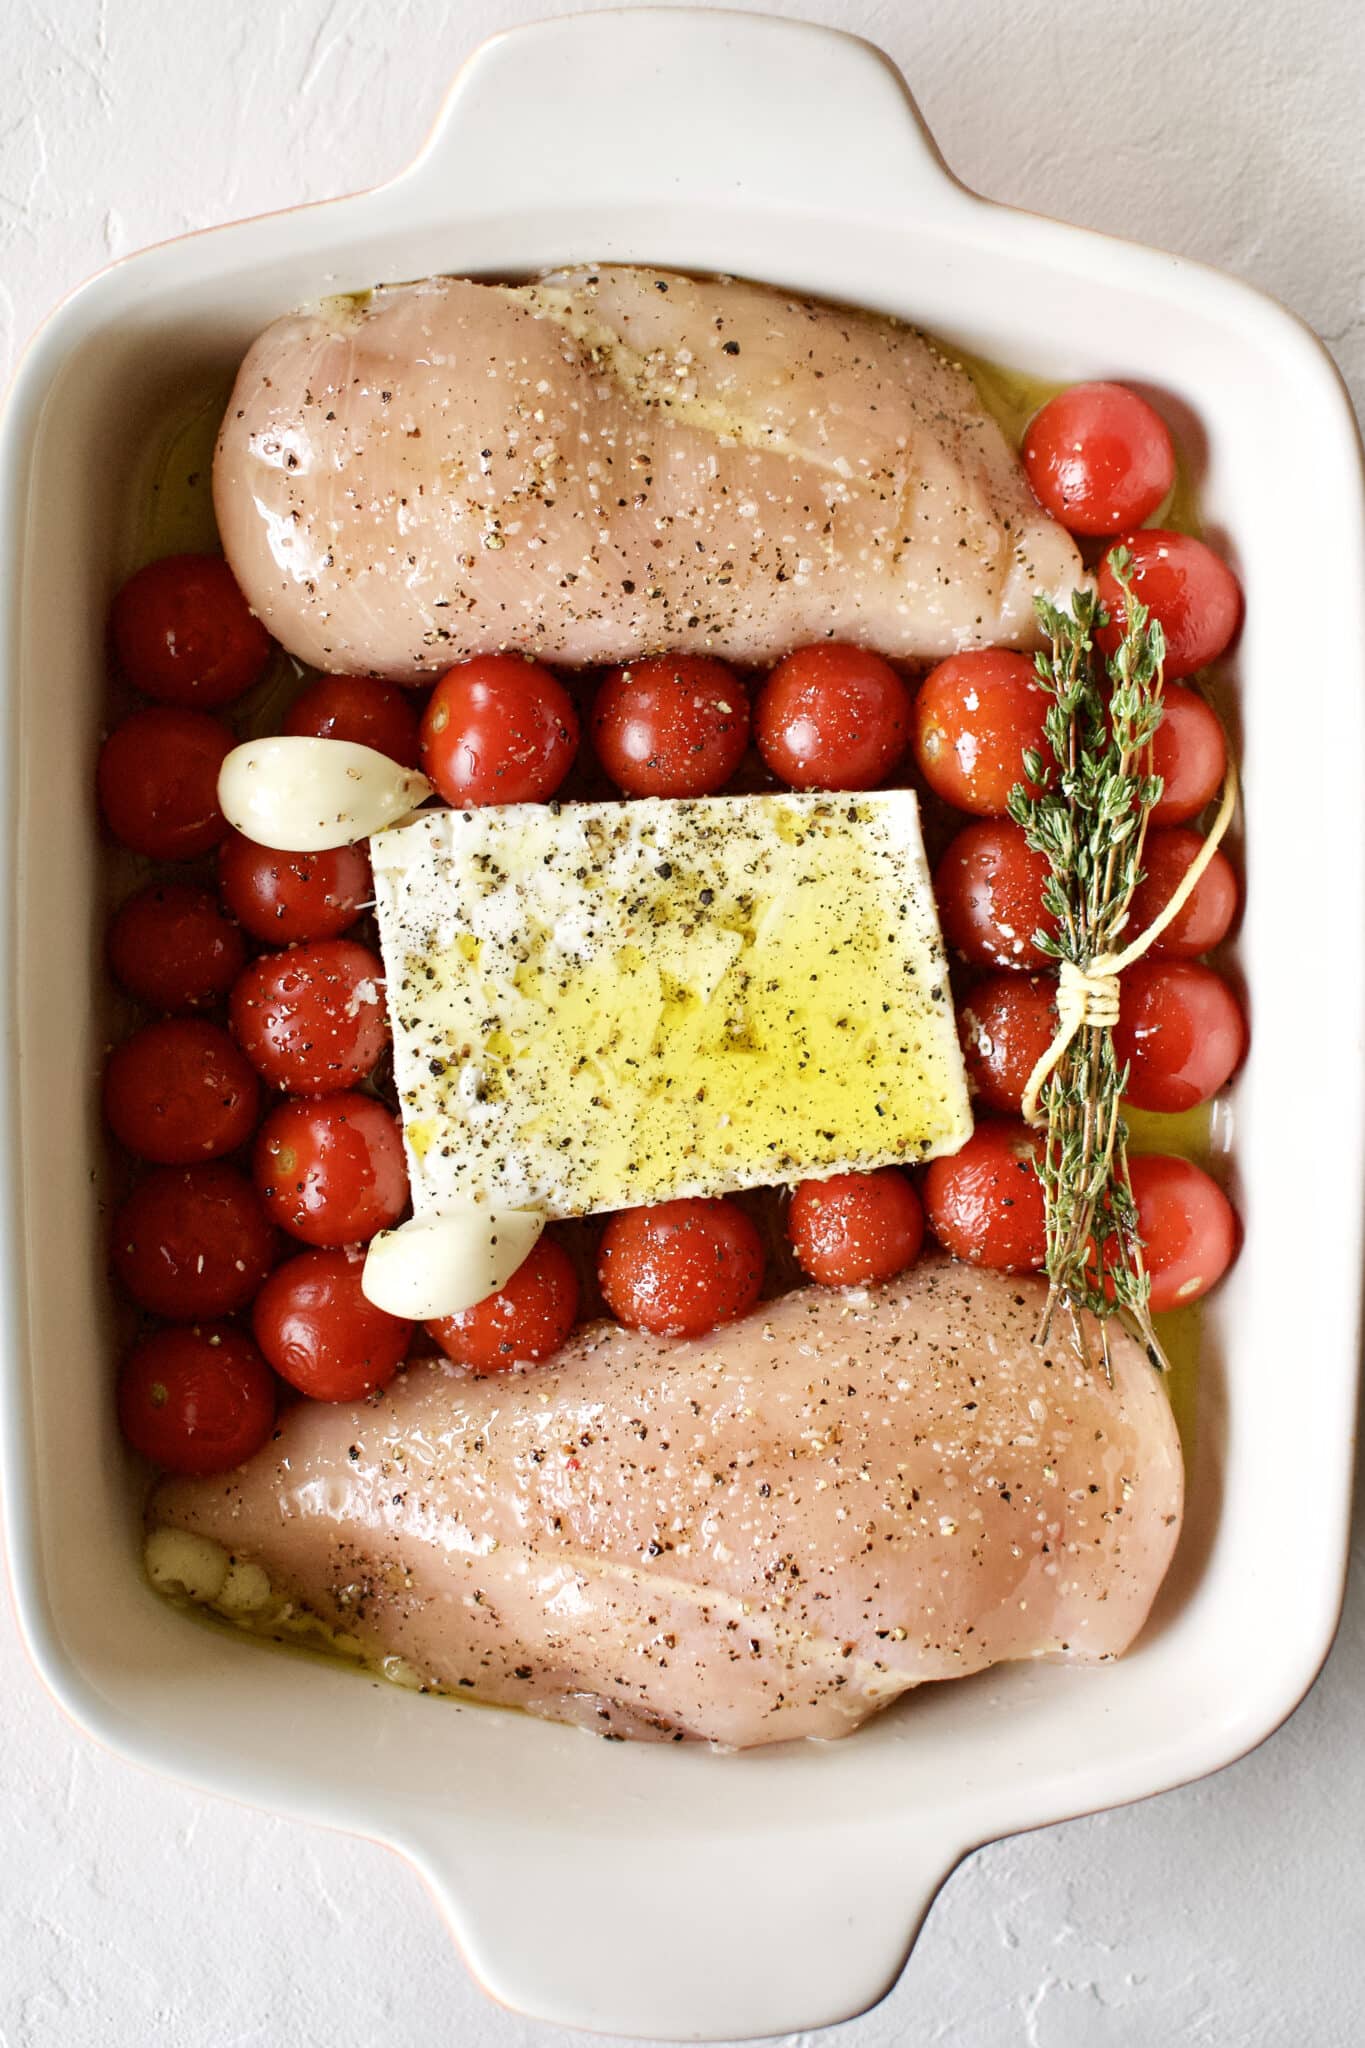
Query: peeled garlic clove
{"type": "Point", "coordinates": [440, 1264]}
{"type": "Point", "coordinates": [177, 1561]}
{"type": "Point", "coordinates": [303, 795]}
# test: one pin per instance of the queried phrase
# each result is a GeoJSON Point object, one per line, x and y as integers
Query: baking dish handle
{"type": "Point", "coordinates": [653, 102]}
{"type": "Point", "coordinates": [696, 1938]}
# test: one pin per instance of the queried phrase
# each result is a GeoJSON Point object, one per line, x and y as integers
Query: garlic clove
{"type": "Point", "coordinates": [304, 795]}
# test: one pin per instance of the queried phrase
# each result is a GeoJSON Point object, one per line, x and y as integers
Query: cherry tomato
{"type": "Point", "coordinates": [283, 897]}
{"type": "Point", "coordinates": [498, 730]}
{"type": "Point", "coordinates": [1006, 1024]}
{"type": "Point", "coordinates": [184, 633]}
{"type": "Point", "coordinates": [1099, 458]}
{"type": "Point", "coordinates": [989, 886]}
{"type": "Point", "coordinates": [526, 1320]}
{"type": "Point", "coordinates": [197, 1401]}
{"type": "Point", "coordinates": [1190, 755]}
{"type": "Point", "coordinates": [192, 1241]}
{"type": "Point", "coordinates": [312, 1020]}
{"type": "Point", "coordinates": [158, 782]}
{"type": "Point", "coordinates": [833, 717]}
{"type": "Point", "coordinates": [985, 1204]}
{"type": "Point", "coordinates": [1180, 1032]}
{"type": "Point", "coordinates": [1206, 918]}
{"type": "Point", "coordinates": [358, 708]}
{"type": "Point", "coordinates": [179, 1090]}
{"type": "Point", "coordinates": [680, 1268]}
{"type": "Point", "coordinates": [332, 1172]}
{"type": "Point", "coordinates": [1186, 586]}
{"type": "Point", "coordinates": [317, 1329]}
{"type": "Point", "coordinates": [676, 725]}
{"type": "Point", "coordinates": [975, 716]}
{"type": "Point", "coordinates": [856, 1227]}
{"type": "Point", "coordinates": [1187, 1225]}
{"type": "Point", "coordinates": [171, 947]}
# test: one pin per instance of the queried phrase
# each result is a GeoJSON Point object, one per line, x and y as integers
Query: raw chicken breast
{"type": "Point", "coordinates": [767, 1533]}
{"type": "Point", "coordinates": [613, 461]}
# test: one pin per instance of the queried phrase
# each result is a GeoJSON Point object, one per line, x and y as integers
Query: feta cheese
{"type": "Point", "coordinates": [596, 1006]}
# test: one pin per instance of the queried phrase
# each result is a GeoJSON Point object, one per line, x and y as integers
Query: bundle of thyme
{"type": "Point", "coordinates": [1090, 820]}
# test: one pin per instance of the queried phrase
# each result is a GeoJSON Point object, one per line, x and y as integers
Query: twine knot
{"type": "Point", "coordinates": [1089, 995]}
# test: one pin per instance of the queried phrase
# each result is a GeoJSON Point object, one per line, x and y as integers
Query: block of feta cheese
{"type": "Point", "coordinates": [597, 1006]}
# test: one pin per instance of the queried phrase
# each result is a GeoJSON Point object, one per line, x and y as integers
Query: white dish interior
{"type": "Point", "coordinates": [666, 1891]}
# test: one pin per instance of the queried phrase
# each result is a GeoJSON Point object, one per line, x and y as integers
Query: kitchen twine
{"type": "Point", "coordinates": [1090, 995]}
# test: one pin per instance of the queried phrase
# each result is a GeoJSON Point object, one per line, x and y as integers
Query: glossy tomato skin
{"type": "Point", "coordinates": [675, 725]}
{"type": "Point", "coordinates": [171, 946]}
{"type": "Point", "coordinates": [362, 709]}
{"type": "Point", "coordinates": [1189, 753]}
{"type": "Point", "coordinates": [178, 1091]}
{"type": "Point", "coordinates": [833, 717]}
{"type": "Point", "coordinates": [1180, 1032]}
{"type": "Point", "coordinates": [312, 1020]}
{"type": "Point", "coordinates": [975, 716]}
{"type": "Point", "coordinates": [989, 888]}
{"type": "Point", "coordinates": [499, 729]}
{"type": "Point", "coordinates": [197, 1400]}
{"type": "Point", "coordinates": [1186, 586]}
{"type": "Point", "coordinates": [192, 1242]}
{"type": "Point", "coordinates": [331, 1172]}
{"type": "Point", "coordinates": [985, 1204]}
{"type": "Point", "coordinates": [282, 898]}
{"type": "Point", "coordinates": [1206, 918]}
{"type": "Point", "coordinates": [526, 1321]}
{"type": "Point", "coordinates": [184, 634]}
{"type": "Point", "coordinates": [680, 1268]}
{"type": "Point", "coordinates": [1187, 1225]}
{"type": "Point", "coordinates": [1099, 458]}
{"type": "Point", "coordinates": [315, 1326]}
{"type": "Point", "coordinates": [1006, 1024]}
{"type": "Point", "coordinates": [158, 782]}
{"type": "Point", "coordinates": [856, 1228]}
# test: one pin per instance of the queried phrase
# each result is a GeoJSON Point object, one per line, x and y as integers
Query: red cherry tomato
{"type": "Point", "coordinates": [358, 708]}
{"type": "Point", "coordinates": [1189, 753]}
{"type": "Point", "coordinates": [833, 717]}
{"type": "Point", "coordinates": [498, 730]}
{"type": "Point", "coordinates": [172, 947]}
{"type": "Point", "coordinates": [312, 1020]}
{"type": "Point", "coordinates": [975, 716]}
{"type": "Point", "coordinates": [1099, 458]}
{"type": "Point", "coordinates": [197, 1401]}
{"type": "Point", "coordinates": [317, 1329]}
{"type": "Point", "coordinates": [1206, 918]}
{"type": "Point", "coordinates": [985, 1204]}
{"type": "Point", "coordinates": [525, 1321]}
{"type": "Point", "coordinates": [1187, 1225]}
{"type": "Point", "coordinates": [676, 725]}
{"type": "Point", "coordinates": [680, 1268]}
{"type": "Point", "coordinates": [184, 633]}
{"type": "Point", "coordinates": [1183, 584]}
{"type": "Point", "coordinates": [989, 886]}
{"type": "Point", "coordinates": [192, 1241]}
{"type": "Point", "coordinates": [1180, 1032]}
{"type": "Point", "coordinates": [284, 897]}
{"type": "Point", "coordinates": [158, 782]}
{"type": "Point", "coordinates": [856, 1227]}
{"type": "Point", "coordinates": [332, 1172]}
{"type": "Point", "coordinates": [178, 1091]}
{"type": "Point", "coordinates": [1006, 1024]}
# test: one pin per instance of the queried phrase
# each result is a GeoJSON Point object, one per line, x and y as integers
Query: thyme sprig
{"type": "Point", "coordinates": [1087, 810]}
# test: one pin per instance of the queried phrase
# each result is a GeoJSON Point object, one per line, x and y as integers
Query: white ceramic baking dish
{"type": "Point", "coordinates": [668, 1891]}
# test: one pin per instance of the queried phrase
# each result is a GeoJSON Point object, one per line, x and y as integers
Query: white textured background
{"type": "Point", "coordinates": [1231, 1915]}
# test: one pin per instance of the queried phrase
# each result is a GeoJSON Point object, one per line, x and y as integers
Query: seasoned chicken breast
{"type": "Point", "coordinates": [613, 461]}
{"type": "Point", "coordinates": [769, 1532]}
